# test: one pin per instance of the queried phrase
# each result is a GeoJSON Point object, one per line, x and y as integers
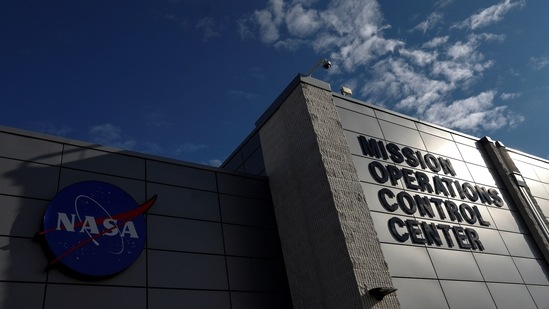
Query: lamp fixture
{"type": "Point", "coordinates": [346, 91]}
{"type": "Point", "coordinates": [326, 64]}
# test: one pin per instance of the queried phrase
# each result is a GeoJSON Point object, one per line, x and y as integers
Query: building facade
{"type": "Point", "coordinates": [381, 200]}
{"type": "Point", "coordinates": [329, 203]}
{"type": "Point", "coordinates": [211, 235]}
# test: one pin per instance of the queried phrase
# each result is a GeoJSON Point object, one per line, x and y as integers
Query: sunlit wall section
{"type": "Point", "coordinates": [450, 234]}
{"type": "Point", "coordinates": [536, 173]}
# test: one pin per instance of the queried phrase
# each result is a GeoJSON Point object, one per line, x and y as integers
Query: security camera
{"type": "Point", "coordinates": [326, 64]}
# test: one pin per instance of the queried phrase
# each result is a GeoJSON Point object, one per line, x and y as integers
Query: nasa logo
{"type": "Point", "coordinates": [95, 228]}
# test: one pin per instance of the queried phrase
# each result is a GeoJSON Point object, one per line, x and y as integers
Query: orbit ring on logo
{"type": "Point", "coordinates": [95, 228]}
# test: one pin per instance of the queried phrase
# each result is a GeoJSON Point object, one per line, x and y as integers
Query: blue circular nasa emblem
{"type": "Point", "coordinates": [95, 228]}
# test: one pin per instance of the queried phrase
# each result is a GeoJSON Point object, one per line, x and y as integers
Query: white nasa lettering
{"type": "Point", "coordinates": [129, 228]}
{"type": "Point", "coordinates": [110, 224]}
{"type": "Point", "coordinates": [90, 226]}
{"type": "Point", "coordinates": [64, 219]}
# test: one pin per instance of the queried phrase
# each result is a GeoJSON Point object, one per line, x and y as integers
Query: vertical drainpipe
{"type": "Point", "coordinates": [519, 193]}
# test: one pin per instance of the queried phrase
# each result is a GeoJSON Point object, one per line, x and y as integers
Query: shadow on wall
{"type": "Point", "coordinates": [27, 185]}
{"type": "Point", "coordinates": [26, 189]}
{"type": "Point", "coordinates": [229, 210]}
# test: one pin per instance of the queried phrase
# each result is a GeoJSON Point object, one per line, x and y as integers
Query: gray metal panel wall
{"type": "Point", "coordinates": [508, 273]}
{"type": "Point", "coordinates": [248, 157]}
{"type": "Point", "coordinates": [536, 173]}
{"type": "Point", "coordinates": [212, 239]}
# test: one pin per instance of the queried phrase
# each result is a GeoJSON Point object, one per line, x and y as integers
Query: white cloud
{"type": "Point", "coordinates": [361, 52]}
{"type": "Point", "coordinates": [443, 3]}
{"type": "Point", "coordinates": [477, 37]}
{"type": "Point", "coordinates": [509, 96]}
{"type": "Point", "coordinates": [269, 30]}
{"type": "Point", "coordinates": [238, 95]}
{"type": "Point", "coordinates": [156, 118]}
{"type": "Point", "coordinates": [210, 29]}
{"type": "Point", "coordinates": [464, 114]}
{"type": "Point", "coordinates": [463, 61]}
{"type": "Point", "coordinates": [460, 71]}
{"type": "Point", "coordinates": [290, 44]}
{"type": "Point", "coordinates": [474, 113]}
{"type": "Point", "coordinates": [436, 42]}
{"type": "Point", "coordinates": [269, 20]}
{"type": "Point", "coordinates": [461, 49]}
{"type": "Point", "coordinates": [110, 135]}
{"type": "Point", "coordinates": [420, 57]}
{"type": "Point", "coordinates": [424, 80]}
{"type": "Point", "coordinates": [51, 129]}
{"type": "Point", "coordinates": [214, 162]}
{"type": "Point", "coordinates": [538, 63]}
{"type": "Point", "coordinates": [301, 22]}
{"type": "Point", "coordinates": [490, 15]}
{"type": "Point", "coordinates": [152, 148]}
{"type": "Point", "coordinates": [432, 20]}
{"type": "Point", "coordinates": [188, 148]}
{"type": "Point", "coordinates": [243, 29]}
{"type": "Point", "coordinates": [354, 30]}
{"type": "Point", "coordinates": [398, 82]}
{"type": "Point", "coordinates": [353, 27]}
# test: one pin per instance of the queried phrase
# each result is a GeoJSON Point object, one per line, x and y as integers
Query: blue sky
{"type": "Point", "coordinates": [187, 79]}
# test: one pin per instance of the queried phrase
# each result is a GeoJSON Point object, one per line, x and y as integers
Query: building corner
{"type": "Point", "coordinates": [332, 253]}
